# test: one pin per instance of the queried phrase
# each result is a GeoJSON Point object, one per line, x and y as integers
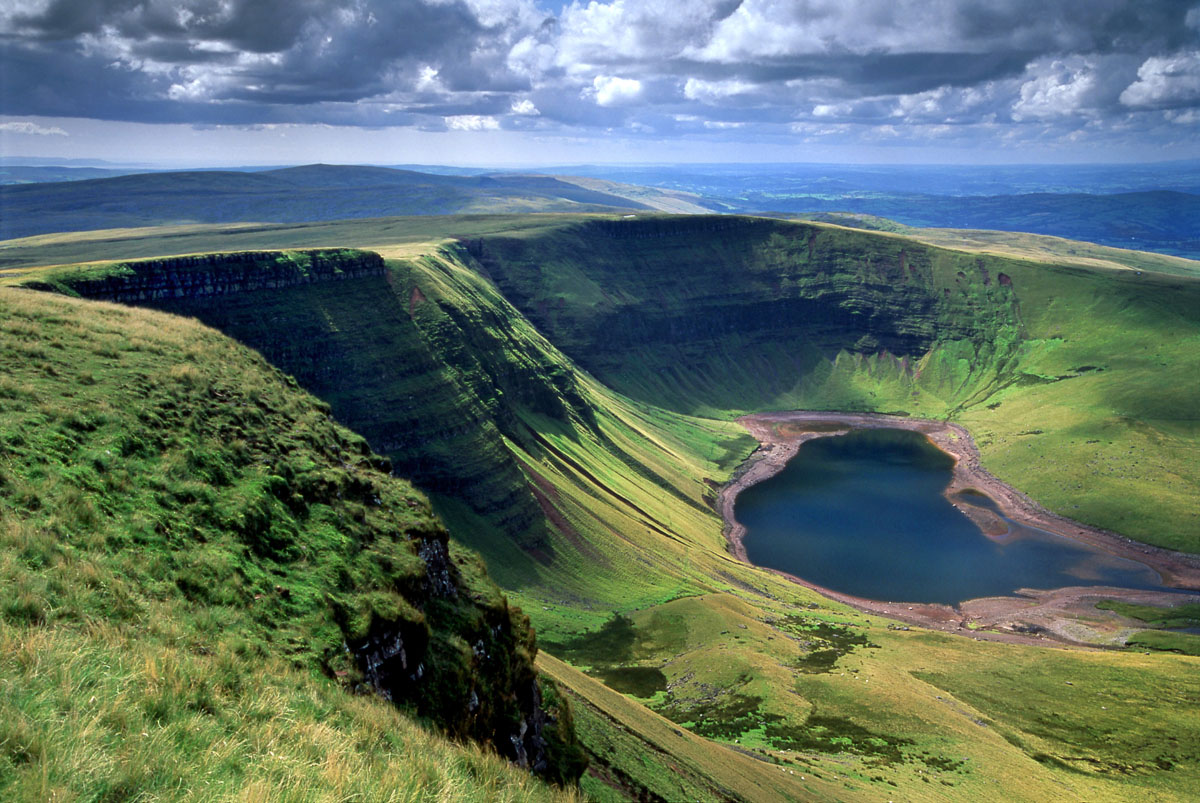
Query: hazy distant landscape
{"type": "Point", "coordinates": [1110, 206]}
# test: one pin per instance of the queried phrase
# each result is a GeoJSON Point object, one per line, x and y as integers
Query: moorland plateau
{"type": "Point", "coordinates": [209, 434]}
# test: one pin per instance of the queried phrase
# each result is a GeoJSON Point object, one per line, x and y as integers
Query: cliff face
{"type": "Point", "coordinates": [335, 322]}
{"type": "Point", "coordinates": [158, 281]}
{"type": "Point", "coordinates": [734, 313]}
{"type": "Point", "coordinates": [215, 501]}
{"type": "Point", "coordinates": [469, 666]}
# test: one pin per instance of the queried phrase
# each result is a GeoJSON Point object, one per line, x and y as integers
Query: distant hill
{"type": "Point", "coordinates": [34, 174]}
{"type": "Point", "coordinates": [297, 194]}
{"type": "Point", "coordinates": [1150, 207]}
{"type": "Point", "coordinates": [1022, 245]}
{"type": "Point", "coordinates": [1163, 221]}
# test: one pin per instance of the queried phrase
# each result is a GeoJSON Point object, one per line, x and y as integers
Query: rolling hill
{"type": "Point", "coordinates": [294, 194]}
{"type": "Point", "coordinates": [1150, 207]}
{"type": "Point", "coordinates": [1160, 221]}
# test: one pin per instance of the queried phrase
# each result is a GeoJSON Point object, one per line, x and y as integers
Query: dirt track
{"type": "Point", "coordinates": [1066, 614]}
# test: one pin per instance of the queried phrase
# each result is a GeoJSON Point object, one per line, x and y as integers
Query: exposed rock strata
{"type": "Point", "coordinates": [206, 275]}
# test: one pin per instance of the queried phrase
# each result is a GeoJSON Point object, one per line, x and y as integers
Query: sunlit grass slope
{"type": "Point", "coordinates": [389, 236]}
{"type": "Point", "coordinates": [618, 487]}
{"type": "Point", "coordinates": [190, 550]}
{"type": "Point", "coordinates": [534, 463]}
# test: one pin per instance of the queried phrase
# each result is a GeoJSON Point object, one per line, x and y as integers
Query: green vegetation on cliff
{"type": "Point", "coordinates": [718, 315]}
{"type": "Point", "coordinates": [1057, 370]}
{"type": "Point", "coordinates": [543, 384]}
{"type": "Point", "coordinates": [198, 564]}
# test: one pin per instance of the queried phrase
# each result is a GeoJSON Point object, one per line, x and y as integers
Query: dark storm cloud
{"type": "Point", "coordinates": [651, 65]}
{"type": "Point", "coordinates": [1076, 26]}
{"type": "Point", "coordinates": [869, 74]}
{"type": "Point", "coordinates": [262, 52]}
{"type": "Point", "coordinates": [57, 81]}
{"type": "Point", "coordinates": [258, 26]}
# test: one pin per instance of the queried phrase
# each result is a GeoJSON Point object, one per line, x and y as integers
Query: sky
{"type": "Point", "coordinates": [529, 82]}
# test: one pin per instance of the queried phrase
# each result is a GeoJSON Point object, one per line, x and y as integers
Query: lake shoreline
{"type": "Point", "coordinates": [781, 435]}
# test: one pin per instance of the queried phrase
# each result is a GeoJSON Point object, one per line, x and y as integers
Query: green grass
{"type": "Point", "coordinates": [1019, 245]}
{"type": "Point", "coordinates": [394, 236]}
{"type": "Point", "coordinates": [526, 335]}
{"type": "Point", "coordinates": [189, 544]}
{"type": "Point", "coordinates": [1185, 615]}
{"type": "Point", "coordinates": [107, 714]}
{"type": "Point", "coordinates": [1083, 713]}
{"type": "Point", "coordinates": [1182, 643]}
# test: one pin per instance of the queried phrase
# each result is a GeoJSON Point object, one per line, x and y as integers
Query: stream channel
{"type": "Point", "coordinates": [864, 514]}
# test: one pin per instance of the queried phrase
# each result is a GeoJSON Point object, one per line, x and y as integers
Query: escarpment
{"type": "Point", "coordinates": [442, 386]}
{"type": "Point", "coordinates": [434, 361]}
{"type": "Point", "coordinates": [734, 313]}
{"type": "Point", "coordinates": [217, 503]}
{"type": "Point", "coordinates": [467, 662]}
{"type": "Point", "coordinates": [332, 320]}
{"type": "Point", "coordinates": [206, 275]}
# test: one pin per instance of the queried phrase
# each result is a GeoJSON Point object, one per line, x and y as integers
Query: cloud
{"type": "Point", "coordinates": [714, 91]}
{"type": "Point", "coordinates": [472, 122]}
{"type": "Point", "coordinates": [1062, 89]}
{"type": "Point", "coordinates": [610, 90]}
{"type": "Point", "coordinates": [1166, 82]}
{"type": "Point", "coordinates": [627, 31]}
{"type": "Point", "coordinates": [26, 127]}
{"type": "Point", "coordinates": [525, 107]}
{"type": "Point", "coordinates": [749, 66]}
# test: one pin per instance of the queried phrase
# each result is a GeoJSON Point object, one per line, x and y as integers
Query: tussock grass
{"type": "Point", "coordinates": [99, 713]}
{"type": "Point", "coordinates": [187, 541]}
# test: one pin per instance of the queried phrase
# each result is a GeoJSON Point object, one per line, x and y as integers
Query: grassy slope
{"type": "Point", "coordinates": [773, 316]}
{"type": "Point", "coordinates": [761, 664]}
{"type": "Point", "coordinates": [1118, 446]}
{"type": "Point", "coordinates": [187, 541]}
{"type": "Point", "coordinates": [1059, 374]}
{"type": "Point", "coordinates": [397, 236]}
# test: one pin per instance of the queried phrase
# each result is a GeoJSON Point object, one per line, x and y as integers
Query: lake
{"type": "Point", "coordinates": [864, 514]}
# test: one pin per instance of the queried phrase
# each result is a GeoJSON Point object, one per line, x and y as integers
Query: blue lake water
{"type": "Point", "coordinates": [864, 514]}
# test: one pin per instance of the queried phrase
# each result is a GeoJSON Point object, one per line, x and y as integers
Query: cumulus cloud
{"type": "Point", "coordinates": [472, 122]}
{"type": "Point", "coordinates": [625, 31]}
{"type": "Point", "coordinates": [877, 67]}
{"type": "Point", "coordinates": [26, 127]}
{"type": "Point", "coordinates": [1166, 82]}
{"type": "Point", "coordinates": [524, 106]}
{"type": "Point", "coordinates": [1062, 89]}
{"type": "Point", "coordinates": [611, 90]}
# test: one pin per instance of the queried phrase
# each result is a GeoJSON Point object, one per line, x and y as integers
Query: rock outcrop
{"type": "Point", "coordinates": [207, 275]}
